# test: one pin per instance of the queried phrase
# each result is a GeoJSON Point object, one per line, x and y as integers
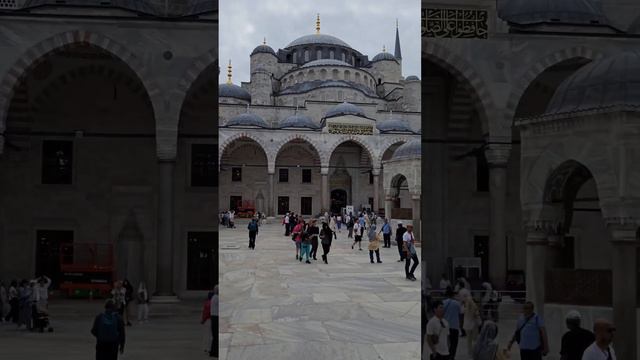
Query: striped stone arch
{"type": "Point", "coordinates": [282, 143]}
{"type": "Point", "coordinates": [36, 53]}
{"type": "Point", "coordinates": [538, 68]}
{"type": "Point", "coordinates": [246, 135]}
{"type": "Point", "coordinates": [192, 73]}
{"type": "Point", "coordinates": [466, 73]}
{"type": "Point", "coordinates": [358, 140]}
{"type": "Point", "coordinates": [389, 143]}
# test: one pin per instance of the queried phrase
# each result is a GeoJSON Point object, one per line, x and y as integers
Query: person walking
{"type": "Point", "coordinates": [530, 334]}
{"type": "Point", "coordinates": [205, 320]}
{"type": "Point", "coordinates": [339, 222]}
{"type": "Point", "coordinates": [253, 231]}
{"type": "Point", "coordinates": [386, 233]}
{"type": "Point", "coordinates": [486, 348]}
{"type": "Point", "coordinates": [42, 292]}
{"type": "Point", "coordinates": [576, 340]}
{"type": "Point", "coordinates": [285, 222]}
{"type": "Point", "coordinates": [108, 329]}
{"type": "Point", "coordinates": [350, 227]}
{"type": "Point", "coordinates": [326, 237]}
{"type": "Point", "coordinates": [374, 243]}
{"type": "Point", "coordinates": [25, 296]}
{"type": "Point", "coordinates": [14, 303]}
{"type": "Point", "coordinates": [118, 294]}
{"type": "Point", "coordinates": [128, 299]}
{"type": "Point", "coordinates": [357, 239]}
{"type": "Point", "coordinates": [471, 322]}
{"type": "Point", "coordinates": [215, 302]}
{"type": "Point", "coordinates": [601, 348]}
{"type": "Point", "coordinates": [452, 311]}
{"type": "Point", "coordinates": [143, 302]}
{"type": "Point", "coordinates": [410, 253]}
{"type": "Point", "coordinates": [400, 242]}
{"type": "Point", "coordinates": [296, 234]}
{"type": "Point", "coordinates": [332, 224]}
{"type": "Point", "coordinates": [305, 248]}
{"type": "Point", "coordinates": [438, 333]}
{"type": "Point", "coordinates": [313, 232]}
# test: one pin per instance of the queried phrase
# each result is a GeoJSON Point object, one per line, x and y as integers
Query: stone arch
{"type": "Point", "coordinates": [244, 135]}
{"type": "Point", "coordinates": [192, 74]}
{"type": "Point", "coordinates": [538, 68]}
{"type": "Point", "coordinates": [389, 143]}
{"type": "Point", "coordinates": [372, 154]}
{"type": "Point", "coordinates": [466, 73]}
{"type": "Point", "coordinates": [282, 143]}
{"type": "Point", "coordinates": [37, 53]}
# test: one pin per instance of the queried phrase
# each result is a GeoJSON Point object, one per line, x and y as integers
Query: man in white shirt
{"type": "Point", "coordinates": [438, 333]}
{"type": "Point", "coordinates": [411, 253]}
{"type": "Point", "coordinates": [601, 349]}
{"type": "Point", "coordinates": [42, 292]}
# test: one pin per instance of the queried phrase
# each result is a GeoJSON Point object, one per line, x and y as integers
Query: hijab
{"type": "Point", "coordinates": [486, 347]}
{"type": "Point", "coordinates": [372, 232]}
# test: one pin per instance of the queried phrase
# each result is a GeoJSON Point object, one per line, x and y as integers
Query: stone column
{"type": "Point", "coordinates": [388, 204]}
{"type": "Point", "coordinates": [164, 273]}
{"type": "Point", "coordinates": [415, 199]}
{"type": "Point", "coordinates": [376, 189]}
{"type": "Point", "coordinates": [537, 241]}
{"type": "Point", "coordinates": [624, 284]}
{"type": "Point", "coordinates": [497, 157]}
{"type": "Point", "coordinates": [270, 197]}
{"type": "Point", "coordinates": [325, 196]}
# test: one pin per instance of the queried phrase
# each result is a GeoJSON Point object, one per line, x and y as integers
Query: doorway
{"type": "Point", "coordinates": [235, 202]}
{"type": "Point", "coordinates": [481, 250]}
{"type": "Point", "coordinates": [338, 200]}
{"type": "Point", "coordinates": [202, 267]}
{"type": "Point", "coordinates": [283, 205]}
{"type": "Point", "coordinates": [49, 255]}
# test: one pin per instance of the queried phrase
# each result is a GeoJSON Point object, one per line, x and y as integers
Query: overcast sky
{"type": "Point", "coordinates": [366, 25]}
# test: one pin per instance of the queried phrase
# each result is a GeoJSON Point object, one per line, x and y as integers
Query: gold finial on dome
{"type": "Point", "coordinates": [384, 49]}
{"type": "Point", "coordinates": [318, 24]}
{"type": "Point", "coordinates": [264, 41]}
{"type": "Point", "coordinates": [229, 72]}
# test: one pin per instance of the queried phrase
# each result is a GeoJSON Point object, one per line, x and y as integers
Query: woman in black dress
{"type": "Point", "coordinates": [326, 236]}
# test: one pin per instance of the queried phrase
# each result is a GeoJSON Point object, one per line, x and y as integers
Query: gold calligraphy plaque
{"type": "Point", "coordinates": [350, 129]}
{"type": "Point", "coordinates": [455, 23]}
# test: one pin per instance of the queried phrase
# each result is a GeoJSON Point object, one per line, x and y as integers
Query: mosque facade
{"type": "Point", "coordinates": [318, 128]}
{"type": "Point", "coordinates": [536, 177]}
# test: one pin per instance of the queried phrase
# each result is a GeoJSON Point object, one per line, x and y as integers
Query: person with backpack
{"type": "Point", "coordinates": [530, 335]}
{"type": "Point", "coordinates": [399, 241]}
{"type": "Point", "coordinates": [108, 329]}
{"type": "Point", "coordinates": [326, 237]}
{"type": "Point", "coordinates": [253, 231]}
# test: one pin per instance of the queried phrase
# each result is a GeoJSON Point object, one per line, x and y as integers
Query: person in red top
{"type": "Point", "coordinates": [205, 318]}
{"type": "Point", "coordinates": [297, 236]}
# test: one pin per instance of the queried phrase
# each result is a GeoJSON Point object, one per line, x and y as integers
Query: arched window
{"type": "Point", "coordinates": [344, 57]}
{"type": "Point", "coordinates": [295, 57]}
{"type": "Point", "coordinates": [311, 75]}
{"type": "Point", "coordinates": [300, 77]}
{"type": "Point", "coordinates": [335, 74]}
{"type": "Point", "coordinates": [347, 75]}
{"type": "Point", "coordinates": [318, 53]}
{"type": "Point", "coordinates": [332, 54]}
{"type": "Point", "coordinates": [323, 74]}
{"type": "Point", "coordinates": [306, 55]}
{"type": "Point", "coordinates": [358, 77]}
{"type": "Point", "coordinates": [379, 81]}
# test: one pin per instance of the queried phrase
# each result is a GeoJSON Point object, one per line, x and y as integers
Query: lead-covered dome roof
{"type": "Point", "coordinates": [345, 109]}
{"type": "Point", "coordinates": [317, 39]}
{"type": "Point", "coordinates": [603, 84]}
{"type": "Point", "coordinates": [326, 62]}
{"type": "Point", "coordinates": [409, 150]}
{"type": "Point", "coordinates": [263, 49]}
{"type": "Point", "coordinates": [394, 126]}
{"type": "Point", "coordinates": [523, 12]}
{"type": "Point", "coordinates": [299, 122]}
{"type": "Point", "coordinates": [412, 78]}
{"type": "Point", "coordinates": [384, 56]}
{"type": "Point", "coordinates": [247, 119]}
{"type": "Point", "coordinates": [233, 91]}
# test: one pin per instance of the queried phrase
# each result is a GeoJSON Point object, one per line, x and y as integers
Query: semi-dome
{"type": "Point", "coordinates": [408, 150]}
{"type": "Point", "coordinates": [384, 56]}
{"type": "Point", "coordinates": [602, 84]}
{"type": "Point", "coordinates": [233, 91]}
{"type": "Point", "coordinates": [317, 39]}
{"type": "Point", "coordinates": [299, 122]}
{"type": "Point", "coordinates": [394, 126]}
{"type": "Point", "coordinates": [326, 62]}
{"type": "Point", "coordinates": [345, 109]}
{"type": "Point", "coordinates": [312, 85]}
{"type": "Point", "coordinates": [248, 119]}
{"type": "Point", "coordinates": [526, 12]}
{"type": "Point", "coordinates": [263, 49]}
{"type": "Point", "coordinates": [412, 78]}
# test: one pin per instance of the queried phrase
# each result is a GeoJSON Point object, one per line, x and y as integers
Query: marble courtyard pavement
{"type": "Point", "coordinates": [274, 307]}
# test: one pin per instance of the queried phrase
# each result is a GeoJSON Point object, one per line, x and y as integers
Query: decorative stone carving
{"type": "Point", "coordinates": [455, 23]}
{"type": "Point", "coordinates": [350, 129]}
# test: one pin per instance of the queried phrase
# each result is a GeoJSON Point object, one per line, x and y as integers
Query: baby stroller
{"type": "Point", "coordinates": [41, 319]}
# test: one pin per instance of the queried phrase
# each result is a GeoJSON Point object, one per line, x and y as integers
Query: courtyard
{"type": "Point", "coordinates": [271, 304]}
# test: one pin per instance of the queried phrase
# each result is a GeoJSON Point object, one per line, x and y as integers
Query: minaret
{"type": "Point", "coordinates": [397, 53]}
{"type": "Point", "coordinates": [229, 72]}
{"type": "Point", "coordinates": [318, 24]}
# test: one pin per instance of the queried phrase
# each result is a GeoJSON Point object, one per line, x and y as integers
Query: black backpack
{"type": "Point", "coordinates": [108, 328]}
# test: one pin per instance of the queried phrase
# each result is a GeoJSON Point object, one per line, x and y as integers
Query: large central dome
{"type": "Point", "coordinates": [314, 39]}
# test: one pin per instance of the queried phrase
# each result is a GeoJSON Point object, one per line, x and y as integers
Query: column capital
{"type": "Point", "coordinates": [497, 154]}
{"type": "Point", "coordinates": [375, 171]}
{"type": "Point", "coordinates": [324, 170]}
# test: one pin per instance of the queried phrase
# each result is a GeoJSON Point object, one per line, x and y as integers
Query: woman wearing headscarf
{"type": "Point", "coordinates": [143, 303]}
{"type": "Point", "coordinates": [374, 243]}
{"type": "Point", "coordinates": [312, 232]}
{"type": "Point", "coordinates": [486, 347]}
{"type": "Point", "coordinates": [326, 237]}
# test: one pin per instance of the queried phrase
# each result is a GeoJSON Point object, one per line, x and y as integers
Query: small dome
{"type": "Point", "coordinates": [317, 39]}
{"type": "Point", "coordinates": [601, 84]}
{"type": "Point", "coordinates": [409, 150]}
{"type": "Point", "coordinates": [233, 91]}
{"type": "Point", "coordinates": [263, 49]}
{"type": "Point", "coordinates": [345, 109]}
{"type": "Point", "coordinates": [384, 56]}
{"type": "Point", "coordinates": [526, 12]}
{"type": "Point", "coordinates": [248, 119]}
{"type": "Point", "coordinates": [412, 78]}
{"type": "Point", "coordinates": [326, 62]}
{"type": "Point", "coordinates": [394, 126]}
{"type": "Point", "coordinates": [298, 121]}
